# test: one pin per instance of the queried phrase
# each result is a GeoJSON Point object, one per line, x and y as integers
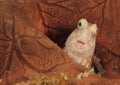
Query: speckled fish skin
{"type": "Point", "coordinates": [80, 44]}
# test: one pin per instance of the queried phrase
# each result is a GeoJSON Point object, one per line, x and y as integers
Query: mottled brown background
{"type": "Point", "coordinates": [25, 49]}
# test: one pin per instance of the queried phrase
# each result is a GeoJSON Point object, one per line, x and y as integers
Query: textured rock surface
{"type": "Point", "coordinates": [26, 51]}
{"type": "Point", "coordinates": [60, 18]}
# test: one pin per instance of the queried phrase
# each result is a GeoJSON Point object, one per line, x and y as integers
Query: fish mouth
{"type": "Point", "coordinates": [81, 42]}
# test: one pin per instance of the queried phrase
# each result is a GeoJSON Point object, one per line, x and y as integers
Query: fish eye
{"type": "Point", "coordinates": [79, 24]}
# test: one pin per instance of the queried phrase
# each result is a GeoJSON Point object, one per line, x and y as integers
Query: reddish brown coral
{"type": "Point", "coordinates": [25, 50]}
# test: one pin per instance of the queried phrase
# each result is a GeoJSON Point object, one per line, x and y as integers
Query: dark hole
{"type": "Point", "coordinates": [59, 37]}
